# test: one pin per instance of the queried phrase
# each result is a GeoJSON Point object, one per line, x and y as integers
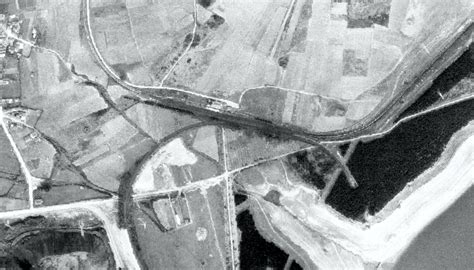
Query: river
{"type": "Point", "coordinates": [447, 243]}
{"type": "Point", "coordinates": [460, 69]}
{"type": "Point", "coordinates": [384, 166]}
{"type": "Point", "coordinates": [255, 251]}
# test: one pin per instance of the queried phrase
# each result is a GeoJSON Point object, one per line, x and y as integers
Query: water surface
{"type": "Point", "coordinates": [447, 243]}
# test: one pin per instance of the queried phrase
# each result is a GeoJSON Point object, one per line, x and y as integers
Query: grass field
{"type": "Point", "coordinates": [36, 151]}
{"type": "Point", "coordinates": [107, 171]}
{"type": "Point", "coordinates": [291, 62]}
{"type": "Point", "coordinates": [246, 147]}
{"type": "Point", "coordinates": [194, 246]}
{"type": "Point", "coordinates": [14, 195]}
{"type": "Point", "coordinates": [61, 101]}
{"type": "Point", "coordinates": [205, 142]}
{"type": "Point", "coordinates": [157, 121]}
{"type": "Point", "coordinates": [65, 194]}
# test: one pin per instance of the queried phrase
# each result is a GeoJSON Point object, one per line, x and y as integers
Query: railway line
{"type": "Point", "coordinates": [369, 127]}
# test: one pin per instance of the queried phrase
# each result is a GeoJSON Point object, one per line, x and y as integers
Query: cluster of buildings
{"type": "Point", "coordinates": [10, 27]}
{"type": "Point", "coordinates": [172, 212]}
{"type": "Point", "coordinates": [12, 47]}
{"type": "Point", "coordinates": [10, 50]}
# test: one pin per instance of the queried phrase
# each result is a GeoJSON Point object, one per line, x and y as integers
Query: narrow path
{"type": "Point", "coordinates": [31, 181]}
{"type": "Point", "coordinates": [339, 136]}
{"type": "Point", "coordinates": [231, 217]}
{"type": "Point", "coordinates": [185, 52]}
{"type": "Point", "coordinates": [200, 185]}
{"type": "Point", "coordinates": [60, 150]}
{"type": "Point", "coordinates": [135, 41]}
{"type": "Point", "coordinates": [377, 135]}
{"type": "Point", "coordinates": [216, 239]}
{"type": "Point", "coordinates": [128, 85]}
{"type": "Point", "coordinates": [288, 263]}
{"type": "Point", "coordinates": [108, 100]}
{"type": "Point", "coordinates": [333, 178]}
{"type": "Point", "coordinates": [288, 16]}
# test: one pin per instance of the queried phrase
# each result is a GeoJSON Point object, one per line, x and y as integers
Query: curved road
{"type": "Point", "coordinates": [179, 98]}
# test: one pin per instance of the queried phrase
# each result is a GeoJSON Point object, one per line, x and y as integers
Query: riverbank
{"type": "Point", "coordinates": [447, 242]}
{"type": "Point", "coordinates": [384, 240]}
{"type": "Point", "coordinates": [450, 149]}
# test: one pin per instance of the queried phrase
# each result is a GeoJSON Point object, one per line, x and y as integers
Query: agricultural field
{"type": "Point", "coordinates": [198, 152]}
{"type": "Point", "coordinates": [10, 73]}
{"type": "Point", "coordinates": [57, 28]}
{"type": "Point", "coordinates": [13, 186]}
{"type": "Point", "coordinates": [127, 33]}
{"type": "Point", "coordinates": [206, 142]}
{"type": "Point", "coordinates": [319, 65]}
{"type": "Point", "coordinates": [72, 135]}
{"type": "Point", "coordinates": [159, 122]}
{"type": "Point", "coordinates": [246, 147]}
{"type": "Point", "coordinates": [198, 244]}
{"type": "Point", "coordinates": [37, 153]}
{"type": "Point", "coordinates": [109, 148]}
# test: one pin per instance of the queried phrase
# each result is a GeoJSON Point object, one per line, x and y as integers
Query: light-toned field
{"type": "Point", "coordinates": [62, 101]}
{"type": "Point", "coordinates": [156, 174]}
{"type": "Point", "coordinates": [304, 48]}
{"type": "Point", "coordinates": [205, 141]}
{"type": "Point", "coordinates": [58, 23]}
{"type": "Point", "coordinates": [11, 204]}
{"type": "Point", "coordinates": [113, 33]}
{"type": "Point", "coordinates": [310, 248]}
{"type": "Point", "coordinates": [174, 165]}
{"type": "Point", "coordinates": [149, 36]}
{"type": "Point", "coordinates": [159, 122]}
{"type": "Point", "coordinates": [447, 241]}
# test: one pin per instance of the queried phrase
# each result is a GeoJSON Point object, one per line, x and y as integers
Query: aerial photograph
{"type": "Point", "coordinates": [237, 134]}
